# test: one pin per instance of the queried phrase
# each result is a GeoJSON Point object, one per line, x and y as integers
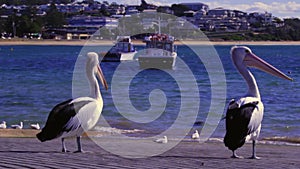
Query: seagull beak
{"type": "Point", "coordinates": [101, 77]}
{"type": "Point", "coordinates": [252, 60]}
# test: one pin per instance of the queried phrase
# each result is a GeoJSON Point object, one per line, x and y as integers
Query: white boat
{"type": "Point", "coordinates": [123, 50]}
{"type": "Point", "coordinates": [159, 52]}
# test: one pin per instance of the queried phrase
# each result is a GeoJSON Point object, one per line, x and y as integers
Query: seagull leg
{"type": "Point", "coordinates": [234, 155]}
{"type": "Point", "coordinates": [64, 149]}
{"type": "Point", "coordinates": [254, 151]}
{"type": "Point", "coordinates": [79, 145]}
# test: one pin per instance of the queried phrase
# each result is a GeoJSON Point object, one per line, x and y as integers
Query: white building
{"type": "Point", "coordinates": [221, 12]}
{"type": "Point", "coordinates": [262, 18]}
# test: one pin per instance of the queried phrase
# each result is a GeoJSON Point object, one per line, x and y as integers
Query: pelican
{"type": "Point", "coordinates": [73, 117]}
{"type": "Point", "coordinates": [17, 126]}
{"type": "Point", "coordinates": [35, 126]}
{"type": "Point", "coordinates": [244, 115]}
{"type": "Point", "coordinates": [195, 135]}
{"type": "Point", "coordinates": [3, 125]}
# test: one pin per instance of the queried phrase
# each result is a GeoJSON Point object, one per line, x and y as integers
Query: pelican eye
{"type": "Point", "coordinates": [247, 50]}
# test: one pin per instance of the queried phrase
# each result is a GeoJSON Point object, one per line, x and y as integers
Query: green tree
{"type": "Point", "coordinates": [179, 9]}
{"type": "Point", "coordinates": [20, 25]}
{"type": "Point", "coordinates": [290, 30]}
{"type": "Point", "coordinates": [24, 2]}
{"type": "Point", "coordinates": [30, 22]}
{"type": "Point", "coordinates": [11, 2]}
{"type": "Point", "coordinates": [65, 1]}
{"type": "Point", "coordinates": [54, 18]}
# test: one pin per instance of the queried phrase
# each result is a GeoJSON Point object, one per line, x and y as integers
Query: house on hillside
{"type": "Point", "coordinates": [84, 27]}
{"type": "Point", "coordinates": [257, 19]}
{"type": "Point", "coordinates": [196, 6]}
{"type": "Point", "coordinates": [221, 13]}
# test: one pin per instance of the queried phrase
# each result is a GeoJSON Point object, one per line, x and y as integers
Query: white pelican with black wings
{"type": "Point", "coordinates": [244, 115]}
{"type": "Point", "coordinates": [73, 117]}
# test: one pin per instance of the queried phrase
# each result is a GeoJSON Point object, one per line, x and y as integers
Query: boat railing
{"type": "Point", "coordinates": [157, 52]}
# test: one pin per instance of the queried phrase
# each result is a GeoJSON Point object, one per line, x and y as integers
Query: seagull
{"type": "Point", "coordinates": [35, 126]}
{"type": "Point", "coordinates": [195, 135]}
{"type": "Point", "coordinates": [3, 125]}
{"type": "Point", "coordinates": [163, 140]}
{"type": "Point", "coordinates": [17, 126]}
{"type": "Point", "coordinates": [244, 115]}
{"type": "Point", "coordinates": [74, 116]}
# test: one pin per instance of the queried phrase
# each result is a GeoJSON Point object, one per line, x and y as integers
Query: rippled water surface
{"type": "Point", "coordinates": [36, 78]}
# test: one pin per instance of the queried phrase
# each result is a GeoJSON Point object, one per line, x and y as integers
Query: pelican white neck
{"type": "Point", "coordinates": [238, 55]}
{"type": "Point", "coordinates": [91, 70]}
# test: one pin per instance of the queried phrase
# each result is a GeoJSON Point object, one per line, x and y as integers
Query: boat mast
{"type": "Point", "coordinates": [159, 31]}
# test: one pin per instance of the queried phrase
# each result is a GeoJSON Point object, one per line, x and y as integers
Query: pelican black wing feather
{"type": "Point", "coordinates": [237, 120]}
{"type": "Point", "coordinates": [61, 119]}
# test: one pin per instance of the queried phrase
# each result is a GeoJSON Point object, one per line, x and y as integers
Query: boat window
{"type": "Point", "coordinates": [150, 45]}
{"type": "Point", "coordinates": [159, 45]}
{"type": "Point", "coordinates": [168, 47]}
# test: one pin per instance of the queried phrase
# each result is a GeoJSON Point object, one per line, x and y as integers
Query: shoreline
{"type": "Point", "coordinates": [138, 42]}
{"type": "Point", "coordinates": [31, 133]}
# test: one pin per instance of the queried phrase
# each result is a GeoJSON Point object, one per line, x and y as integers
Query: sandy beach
{"type": "Point", "coordinates": [27, 152]}
{"type": "Point", "coordinates": [138, 42]}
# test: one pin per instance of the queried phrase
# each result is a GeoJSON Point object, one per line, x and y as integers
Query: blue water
{"type": "Point", "coordinates": [36, 78]}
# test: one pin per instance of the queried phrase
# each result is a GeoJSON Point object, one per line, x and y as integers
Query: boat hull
{"type": "Point", "coordinates": [128, 56]}
{"type": "Point", "coordinates": [148, 62]}
{"type": "Point", "coordinates": [117, 57]}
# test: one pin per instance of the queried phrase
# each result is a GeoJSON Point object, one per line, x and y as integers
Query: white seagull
{"type": "Point", "coordinates": [244, 115]}
{"type": "Point", "coordinates": [195, 135]}
{"type": "Point", "coordinates": [163, 140]}
{"type": "Point", "coordinates": [35, 126]}
{"type": "Point", "coordinates": [74, 116]}
{"type": "Point", "coordinates": [3, 125]}
{"type": "Point", "coordinates": [17, 126]}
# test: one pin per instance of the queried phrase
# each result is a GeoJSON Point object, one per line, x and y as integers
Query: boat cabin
{"type": "Point", "coordinates": [123, 44]}
{"type": "Point", "coordinates": [160, 41]}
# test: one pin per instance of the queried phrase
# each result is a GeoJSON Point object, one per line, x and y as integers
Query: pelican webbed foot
{"type": "Point", "coordinates": [255, 157]}
{"type": "Point", "coordinates": [79, 151]}
{"type": "Point", "coordinates": [254, 151]}
{"type": "Point", "coordinates": [234, 155]}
